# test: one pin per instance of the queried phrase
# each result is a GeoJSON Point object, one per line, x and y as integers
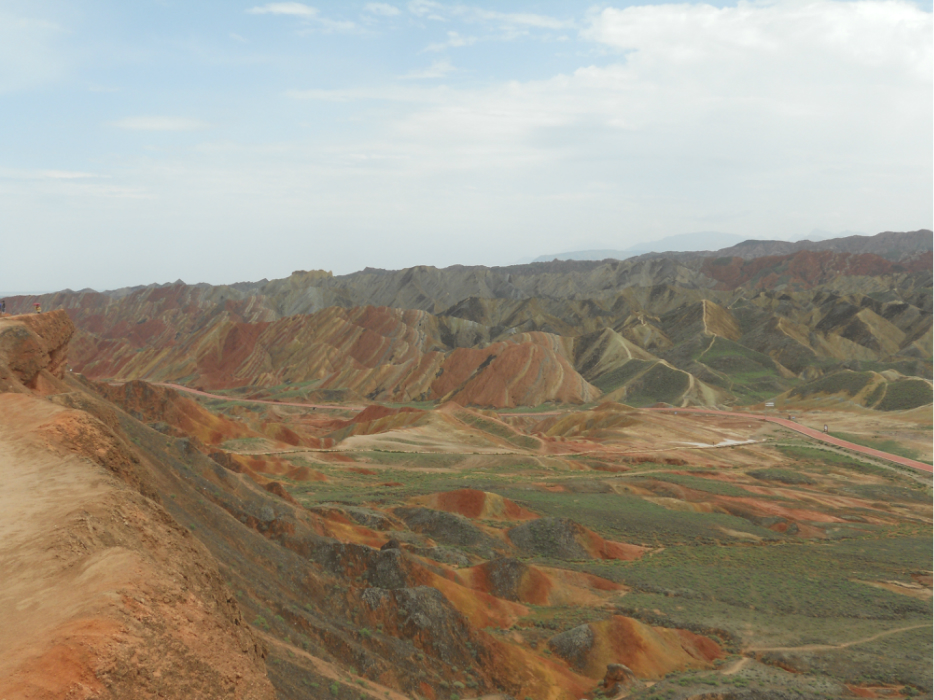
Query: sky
{"type": "Point", "coordinates": [147, 141]}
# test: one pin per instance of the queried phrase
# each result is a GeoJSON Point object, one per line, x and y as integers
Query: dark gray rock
{"type": "Point", "coordinates": [573, 645]}
{"type": "Point", "coordinates": [550, 537]}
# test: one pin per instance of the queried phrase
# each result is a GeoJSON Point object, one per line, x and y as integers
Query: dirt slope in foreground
{"type": "Point", "coordinates": [102, 595]}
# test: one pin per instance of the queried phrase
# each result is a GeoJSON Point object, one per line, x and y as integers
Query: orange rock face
{"type": "Point", "coordinates": [528, 370]}
{"type": "Point", "coordinates": [152, 403]}
{"type": "Point", "coordinates": [477, 504]}
{"type": "Point", "coordinates": [650, 652]}
{"type": "Point", "coordinates": [377, 352]}
{"type": "Point", "coordinates": [33, 351]}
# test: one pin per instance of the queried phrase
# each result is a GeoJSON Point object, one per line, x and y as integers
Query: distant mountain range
{"type": "Point", "coordinates": [733, 326]}
{"type": "Point", "coordinates": [701, 240]}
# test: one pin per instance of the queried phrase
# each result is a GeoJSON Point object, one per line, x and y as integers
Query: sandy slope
{"type": "Point", "coordinates": [102, 594]}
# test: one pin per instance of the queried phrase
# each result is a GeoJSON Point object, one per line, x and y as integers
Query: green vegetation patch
{"type": "Point", "coordinates": [659, 384]}
{"type": "Point", "coordinates": [905, 394]}
{"type": "Point", "coordinates": [699, 483]}
{"type": "Point", "coordinates": [887, 492]}
{"type": "Point", "coordinates": [901, 658]}
{"type": "Point", "coordinates": [845, 382]}
{"type": "Point", "coordinates": [876, 394]}
{"type": "Point", "coordinates": [615, 378]}
{"type": "Point", "coordinates": [632, 519]}
{"type": "Point", "coordinates": [752, 375]}
{"type": "Point", "coordinates": [723, 354]}
{"type": "Point", "coordinates": [811, 580]}
{"type": "Point", "coordinates": [885, 445]}
{"type": "Point", "coordinates": [815, 456]}
{"type": "Point", "coordinates": [783, 476]}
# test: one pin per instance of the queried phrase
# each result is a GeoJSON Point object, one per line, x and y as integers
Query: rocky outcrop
{"type": "Point", "coordinates": [597, 648]}
{"type": "Point", "coordinates": [423, 615]}
{"type": "Point", "coordinates": [618, 678]}
{"type": "Point", "coordinates": [573, 645]}
{"type": "Point", "coordinates": [34, 351]}
{"type": "Point", "coordinates": [562, 538]}
{"type": "Point", "coordinates": [447, 528]}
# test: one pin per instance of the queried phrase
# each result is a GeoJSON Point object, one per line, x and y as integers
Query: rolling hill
{"type": "Point", "coordinates": [685, 329]}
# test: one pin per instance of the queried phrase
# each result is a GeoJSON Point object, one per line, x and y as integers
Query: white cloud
{"type": "Point", "coordinates": [438, 69]}
{"type": "Point", "coordinates": [427, 9]}
{"type": "Point", "coordinates": [295, 9]}
{"type": "Point", "coordinates": [805, 41]}
{"type": "Point", "coordinates": [495, 26]}
{"type": "Point", "coordinates": [160, 124]}
{"type": "Point", "coordinates": [382, 9]}
{"type": "Point", "coordinates": [514, 18]}
{"type": "Point", "coordinates": [307, 14]}
{"type": "Point", "coordinates": [19, 174]}
{"type": "Point", "coordinates": [437, 11]}
{"type": "Point", "coordinates": [392, 93]}
{"type": "Point", "coordinates": [65, 175]}
{"type": "Point", "coordinates": [762, 119]}
{"type": "Point", "coordinates": [28, 52]}
{"type": "Point", "coordinates": [454, 40]}
{"type": "Point", "coordinates": [333, 25]}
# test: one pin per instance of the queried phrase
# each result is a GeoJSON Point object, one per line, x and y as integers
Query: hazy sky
{"type": "Point", "coordinates": [219, 141]}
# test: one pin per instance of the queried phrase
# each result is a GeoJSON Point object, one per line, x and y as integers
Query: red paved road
{"type": "Point", "coordinates": [811, 433]}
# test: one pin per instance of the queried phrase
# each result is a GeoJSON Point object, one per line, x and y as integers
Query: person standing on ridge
{"type": "Point", "coordinates": [2, 306]}
{"type": "Point", "coordinates": [38, 307]}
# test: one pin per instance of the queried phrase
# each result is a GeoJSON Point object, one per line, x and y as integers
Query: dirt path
{"type": "Point", "coordinates": [736, 666]}
{"type": "Point", "coordinates": [828, 647]}
{"type": "Point", "coordinates": [791, 425]}
{"type": "Point", "coordinates": [811, 433]}
{"type": "Point", "coordinates": [189, 390]}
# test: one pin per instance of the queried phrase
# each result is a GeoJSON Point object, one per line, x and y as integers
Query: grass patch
{"type": "Point", "coordinates": [782, 476]}
{"type": "Point", "coordinates": [815, 455]}
{"type": "Point", "coordinates": [905, 394]}
{"type": "Point", "coordinates": [659, 384]}
{"type": "Point", "coordinates": [632, 519]}
{"type": "Point", "coordinates": [615, 378]}
{"type": "Point", "coordinates": [884, 445]}
{"type": "Point", "coordinates": [698, 483]}
{"type": "Point", "coordinates": [809, 580]}
{"type": "Point", "coordinates": [846, 381]}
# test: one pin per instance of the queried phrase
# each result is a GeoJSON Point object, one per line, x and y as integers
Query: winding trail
{"type": "Point", "coordinates": [791, 425]}
{"type": "Point", "coordinates": [809, 432]}
{"type": "Point", "coordinates": [844, 645]}
{"type": "Point", "coordinates": [189, 390]}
